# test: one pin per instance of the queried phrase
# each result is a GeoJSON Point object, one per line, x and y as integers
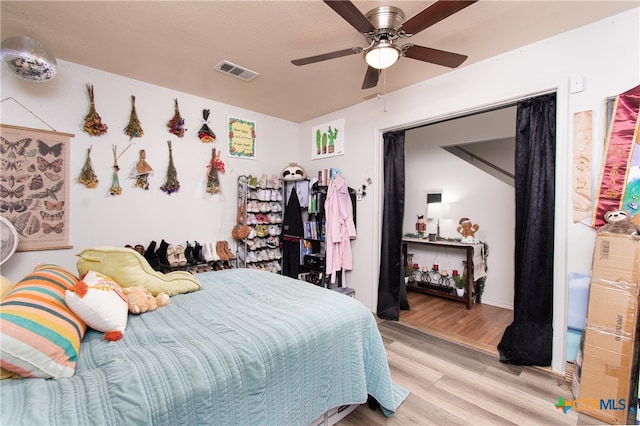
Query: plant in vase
{"type": "Point", "coordinates": [408, 273]}
{"type": "Point", "coordinates": [461, 282]}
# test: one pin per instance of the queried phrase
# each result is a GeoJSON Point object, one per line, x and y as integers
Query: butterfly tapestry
{"type": "Point", "coordinates": [34, 193]}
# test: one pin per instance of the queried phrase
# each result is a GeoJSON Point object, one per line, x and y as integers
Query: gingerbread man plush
{"type": "Point", "coordinates": [468, 230]}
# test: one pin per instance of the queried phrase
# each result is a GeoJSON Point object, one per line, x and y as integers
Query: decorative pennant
{"type": "Point", "coordinates": [582, 131]}
{"type": "Point", "coordinates": [619, 149]}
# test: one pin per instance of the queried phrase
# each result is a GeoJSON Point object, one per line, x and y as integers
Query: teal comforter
{"type": "Point", "coordinates": [250, 348]}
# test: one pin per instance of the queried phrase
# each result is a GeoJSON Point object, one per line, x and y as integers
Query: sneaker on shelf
{"type": "Point", "coordinates": [275, 182]}
{"type": "Point", "coordinates": [252, 234]}
{"type": "Point", "coordinates": [262, 182]}
{"type": "Point", "coordinates": [274, 206]}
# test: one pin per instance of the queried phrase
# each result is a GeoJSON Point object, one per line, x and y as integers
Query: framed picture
{"type": "Point", "coordinates": [34, 186]}
{"type": "Point", "coordinates": [242, 138]}
{"type": "Point", "coordinates": [327, 140]}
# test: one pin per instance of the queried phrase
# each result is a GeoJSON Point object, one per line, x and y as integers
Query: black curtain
{"type": "Point", "coordinates": [392, 294]}
{"type": "Point", "coordinates": [528, 340]}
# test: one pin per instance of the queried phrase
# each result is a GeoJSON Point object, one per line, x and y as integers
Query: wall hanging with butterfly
{"type": "Point", "coordinates": [34, 192]}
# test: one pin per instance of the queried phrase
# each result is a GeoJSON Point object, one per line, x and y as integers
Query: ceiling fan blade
{"type": "Point", "coordinates": [351, 14]}
{"type": "Point", "coordinates": [435, 56]}
{"type": "Point", "coordinates": [371, 78]}
{"type": "Point", "coordinates": [434, 14]}
{"type": "Point", "coordinates": [327, 56]}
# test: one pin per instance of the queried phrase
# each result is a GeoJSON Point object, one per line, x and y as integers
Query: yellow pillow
{"type": "Point", "coordinates": [129, 268]}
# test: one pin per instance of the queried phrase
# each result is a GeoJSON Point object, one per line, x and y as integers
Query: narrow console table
{"type": "Point", "coordinates": [472, 290]}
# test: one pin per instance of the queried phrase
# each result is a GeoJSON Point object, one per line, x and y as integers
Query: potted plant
{"type": "Point", "coordinates": [461, 283]}
{"type": "Point", "coordinates": [408, 273]}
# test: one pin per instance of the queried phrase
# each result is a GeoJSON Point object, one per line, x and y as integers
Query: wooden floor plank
{"type": "Point", "coordinates": [455, 384]}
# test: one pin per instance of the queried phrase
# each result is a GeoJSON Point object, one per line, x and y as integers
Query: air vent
{"type": "Point", "coordinates": [236, 71]}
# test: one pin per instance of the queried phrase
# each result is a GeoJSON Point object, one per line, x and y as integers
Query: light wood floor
{"type": "Point", "coordinates": [481, 327]}
{"type": "Point", "coordinates": [454, 384]}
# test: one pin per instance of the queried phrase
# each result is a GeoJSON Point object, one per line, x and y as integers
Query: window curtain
{"type": "Point", "coordinates": [392, 294]}
{"type": "Point", "coordinates": [528, 340]}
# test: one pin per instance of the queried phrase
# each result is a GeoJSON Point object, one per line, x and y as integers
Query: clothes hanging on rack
{"type": "Point", "coordinates": [340, 228]}
{"type": "Point", "coordinates": [292, 233]}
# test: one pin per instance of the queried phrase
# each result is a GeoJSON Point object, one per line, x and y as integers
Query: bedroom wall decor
{"type": "Point", "coordinates": [34, 189]}
{"type": "Point", "coordinates": [327, 140]}
{"type": "Point", "coordinates": [242, 138]}
{"type": "Point", "coordinates": [93, 124]}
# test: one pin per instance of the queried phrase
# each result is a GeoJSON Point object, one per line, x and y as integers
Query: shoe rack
{"type": "Point", "coordinates": [263, 199]}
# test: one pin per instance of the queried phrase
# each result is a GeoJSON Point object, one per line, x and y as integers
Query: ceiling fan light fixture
{"type": "Point", "coordinates": [28, 59]}
{"type": "Point", "coordinates": [382, 55]}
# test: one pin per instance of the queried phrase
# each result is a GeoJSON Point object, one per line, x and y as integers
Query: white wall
{"type": "Point", "coordinates": [547, 65]}
{"type": "Point", "coordinates": [137, 216]}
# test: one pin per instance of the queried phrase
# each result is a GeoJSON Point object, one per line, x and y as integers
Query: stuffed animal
{"type": "Point", "coordinates": [467, 230]}
{"type": "Point", "coordinates": [618, 222]}
{"type": "Point", "coordinates": [293, 172]}
{"type": "Point", "coordinates": [140, 300]}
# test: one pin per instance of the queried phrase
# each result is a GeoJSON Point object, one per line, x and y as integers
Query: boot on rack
{"type": "Point", "coordinates": [150, 255]}
{"type": "Point", "coordinates": [188, 253]}
{"type": "Point", "coordinates": [161, 254]}
{"type": "Point", "coordinates": [221, 251]}
{"type": "Point", "coordinates": [197, 253]}
{"type": "Point", "coordinates": [228, 251]}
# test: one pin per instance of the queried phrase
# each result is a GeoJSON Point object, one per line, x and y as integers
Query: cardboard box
{"type": "Point", "coordinates": [617, 257]}
{"type": "Point", "coordinates": [602, 385]}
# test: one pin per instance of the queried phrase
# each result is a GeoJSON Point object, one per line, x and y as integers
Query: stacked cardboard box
{"type": "Point", "coordinates": [606, 369]}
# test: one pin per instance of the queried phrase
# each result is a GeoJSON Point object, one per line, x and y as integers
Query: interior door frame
{"type": "Point", "coordinates": [562, 200]}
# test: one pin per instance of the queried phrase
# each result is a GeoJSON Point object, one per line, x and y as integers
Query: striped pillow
{"type": "Point", "coordinates": [39, 335]}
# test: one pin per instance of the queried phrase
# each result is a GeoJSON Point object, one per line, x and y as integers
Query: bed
{"type": "Point", "coordinates": [249, 348]}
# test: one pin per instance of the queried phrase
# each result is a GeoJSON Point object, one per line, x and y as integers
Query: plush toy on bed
{"type": "Point", "coordinates": [140, 300]}
{"type": "Point", "coordinates": [618, 222]}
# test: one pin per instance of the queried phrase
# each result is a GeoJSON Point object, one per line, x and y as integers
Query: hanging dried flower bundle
{"type": "Point", "coordinates": [141, 171]}
{"type": "Point", "coordinates": [171, 185]}
{"type": "Point", "coordinates": [205, 133]}
{"type": "Point", "coordinates": [87, 176]}
{"type": "Point", "coordinates": [176, 124]}
{"type": "Point", "coordinates": [92, 122]}
{"type": "Point", "coordinates": [133, 129]}
{"type": "Point", "coordinates": [115, 182]}
{"type": "Point", "coordinates": [214, 167]}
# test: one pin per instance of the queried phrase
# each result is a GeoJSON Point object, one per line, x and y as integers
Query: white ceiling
{"type": "Point", "coordinates": [176, 44]}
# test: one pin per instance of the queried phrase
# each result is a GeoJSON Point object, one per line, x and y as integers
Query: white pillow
{"type": "Point", "coordinates": [100, 303]}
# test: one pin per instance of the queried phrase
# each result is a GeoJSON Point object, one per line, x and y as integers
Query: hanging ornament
{"type": "Point", "coordinates": [28, 59]}
{"type": "Point", "coordinates": [171, 185]}
{"type": "Point", "coordinates": [115, 182]}
{"type": "Point", "coordinates": [205, 133]}
{"type": "Point", "coordinates": [133, 129]}
{"type": "Point", "coordinates": [214, 167]}
{"type": "Point", "coordinates": [176, 124]}
{"type": "Point", "coordinates": [141, 171]}
{"type": "Point", "coordinates": [87, 176]}
{"type": "Point", "coordinates": [92, 122]}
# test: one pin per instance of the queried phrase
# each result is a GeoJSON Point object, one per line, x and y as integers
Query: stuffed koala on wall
{"type": "Point", "coordinates": [618, 222]}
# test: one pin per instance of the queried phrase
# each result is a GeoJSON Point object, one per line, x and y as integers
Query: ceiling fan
{"type": "Point", "coordinates": [381, 28]}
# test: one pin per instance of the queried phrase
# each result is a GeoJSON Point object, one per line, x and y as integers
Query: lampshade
{"type": "Point", "coordinates": [382, 55]}
{"type": "Point", "coordinates": [28, 59]}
